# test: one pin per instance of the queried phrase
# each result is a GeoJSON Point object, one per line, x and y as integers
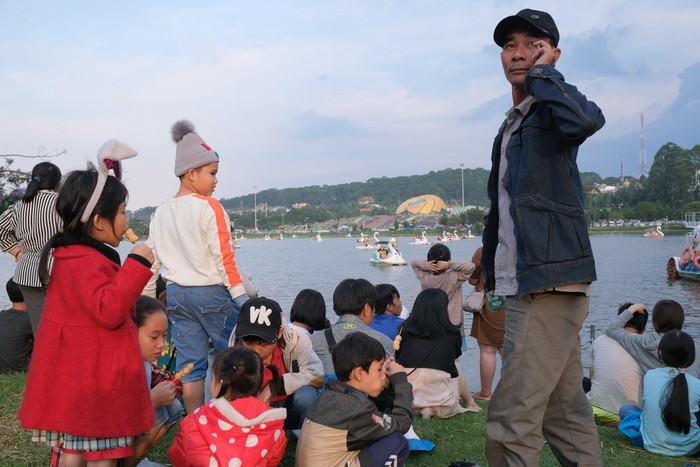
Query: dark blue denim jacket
{"type": "Point", "coordinates": [543, 182]}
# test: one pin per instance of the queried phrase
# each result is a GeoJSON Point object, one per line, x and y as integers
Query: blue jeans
{"type": "Point", "coordinates": [198, 315]}
{"type": "Point", "coordinates": [168, 415]}
{"type": "Point", "coordinates": [297, 405]}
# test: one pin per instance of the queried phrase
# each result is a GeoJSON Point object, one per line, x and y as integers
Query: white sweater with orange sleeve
{"type": "Point", "coordinates": [191, 239]}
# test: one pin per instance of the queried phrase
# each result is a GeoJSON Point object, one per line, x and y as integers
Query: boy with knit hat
{"type": "Point", "coordinates": [191, 239]}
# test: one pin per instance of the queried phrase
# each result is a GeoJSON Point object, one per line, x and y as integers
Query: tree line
{"type": "Point", "coordinates": [672, 188]}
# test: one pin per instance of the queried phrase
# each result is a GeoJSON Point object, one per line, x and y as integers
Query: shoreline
{"type": "Point", "coordinates": [670, 230]}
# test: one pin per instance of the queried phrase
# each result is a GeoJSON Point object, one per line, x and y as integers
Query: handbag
{"type": "Point", "coordinates": [474, 302]}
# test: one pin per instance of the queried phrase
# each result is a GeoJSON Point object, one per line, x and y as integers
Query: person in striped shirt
{"type": "Point", "coordinates": [25, 227]}
{"type": "Point", "coordinates": [191, 237]}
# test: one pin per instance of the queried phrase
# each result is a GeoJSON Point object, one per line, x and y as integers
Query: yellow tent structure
{"type": "Point", "coordinates": [424, 204]}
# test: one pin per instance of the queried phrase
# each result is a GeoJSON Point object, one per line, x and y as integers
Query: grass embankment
{"type": "Point", "coordinates": [457, 438]}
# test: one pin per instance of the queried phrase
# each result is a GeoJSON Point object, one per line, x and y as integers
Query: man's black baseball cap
{"type": "Point", "coordinates": [526, 19]}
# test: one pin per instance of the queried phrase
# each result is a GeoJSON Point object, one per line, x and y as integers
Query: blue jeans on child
{"type": "Point", "coordinates": [298, 405]}
{"type": "Point", "coordinates": [168, 415]}
{"type": "Point", "coordinates": [197, 315]}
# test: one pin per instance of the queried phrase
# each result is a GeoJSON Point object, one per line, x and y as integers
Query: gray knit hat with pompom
{"type": "Point", "coordinates": [192, 152]}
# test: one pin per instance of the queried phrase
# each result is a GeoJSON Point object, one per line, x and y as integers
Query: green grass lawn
{"type": "Point", "coordinates": [457, 438]}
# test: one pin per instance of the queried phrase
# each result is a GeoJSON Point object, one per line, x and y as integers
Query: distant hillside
{"type": "Point", "coordinates": [388, 192]}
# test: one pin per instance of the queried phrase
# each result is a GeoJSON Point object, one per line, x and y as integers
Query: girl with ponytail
{"type": "Point", "coordinates": [234, 428]}
{"type": "Point", "coordinates": [668, 422]}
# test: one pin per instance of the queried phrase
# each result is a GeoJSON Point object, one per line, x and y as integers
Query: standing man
{"type": "Point", "coordinates": [537, 253]}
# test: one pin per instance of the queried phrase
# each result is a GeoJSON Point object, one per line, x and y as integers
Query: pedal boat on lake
{"type": "Point", "coordinates": [366, 242]}
{"type": "Point", "coordinates": [687, 265]}
{"type": "Point", "coordinates": [393, 256]}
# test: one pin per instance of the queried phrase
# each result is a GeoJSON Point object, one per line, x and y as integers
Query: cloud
{"type": "Point", "coordinates": [591, 56]}
{"type": "Point", "coordinates": [309, 92]}
{"type": "Point", "coordinates": [312, 125]}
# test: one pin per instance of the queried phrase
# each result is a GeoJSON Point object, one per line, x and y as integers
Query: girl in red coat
{"type": "Point", "coordinates": [235, 428]}
{"type": "Point", "coordinates": [85, 387]}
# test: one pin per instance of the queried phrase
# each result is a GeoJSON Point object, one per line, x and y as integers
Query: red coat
{"type": "Point", "coordinates": [245, 432]}
{"type": "Point", "coordinates": [86, 374]}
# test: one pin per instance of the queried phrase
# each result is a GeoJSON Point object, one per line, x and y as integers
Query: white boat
{"type": "Point", "coordinates": [687, 265]}
{"type": "Point", "coordinates": [468, 234]}
{"type": "Point", "coordinates": [387, 255]}
{"type": "Point", "coordinates": [316, 238]}
{"type": "Point", "coordinates": [367, 239]}
{"type": "Point", "coordinates": [294, 235]}
{"type": "Point", "coordinates": [444, 238]}
{"type": "Point", "coordinates": [420, 240]}
{"type": "Point", "coordinates": [364, 239]}
{"type": "Point", "coordinates": [279, 237]}
{"type": "Point", "coordinates": [654, 233]}
{"type": "Point", "coordinates": [454, 237]}
{"type": "Point", "coordinates": [266, 238]}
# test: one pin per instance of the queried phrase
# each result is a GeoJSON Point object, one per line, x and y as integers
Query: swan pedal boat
{"type": "Point", "coordinates": [366, 239]}
{"type": "Point", "coordinates": [444, 238]}
{"type": "Point", "coordinates": [420, 240]}
{"type": "Point", "coordinates": [687, 265]}
{"type": "Point", "coordinates": [393, 256]}
{"type": "Point", "coordinates": [654, 233]}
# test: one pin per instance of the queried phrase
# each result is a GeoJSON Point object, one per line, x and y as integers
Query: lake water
{"type": "Point", "coordinates": [630, 268]}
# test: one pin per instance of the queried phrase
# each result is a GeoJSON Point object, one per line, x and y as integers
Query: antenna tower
{"type": "Point", "coordinates": [643, 169]}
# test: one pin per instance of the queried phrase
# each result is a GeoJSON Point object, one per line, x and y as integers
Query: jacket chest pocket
{"type": "Point", "coordinates": [551, 232]}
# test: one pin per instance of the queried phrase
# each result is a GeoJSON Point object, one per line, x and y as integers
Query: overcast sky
{"type": "Point", "coordinates": [296, 93]}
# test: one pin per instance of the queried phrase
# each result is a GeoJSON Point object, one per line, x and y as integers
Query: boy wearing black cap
{"type": "Point", "coordinates": [299, 370]}
{"type": "Point", "coordinates": [543, 263]}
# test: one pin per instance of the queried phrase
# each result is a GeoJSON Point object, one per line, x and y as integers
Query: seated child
{"type": "Point", "coordinates": [16, 336]}
{"type": "Point", "coordinates": [345, 427]}
{"type": "Point", "coordinates": [152, 324]}
{"type": "Point", "coordinates": [353, 302]}
{"type": "Point", "coordinates": [666, 316]}
{"type": "Point", "coordinates": [667, 423]}
{"type": "Point", "coordinates": [387, 310]}
{"type": "Point", "coordinates": [308, 312]}
{"type": "Point", "coordinates": [299, 372]}
{"type": "Point", "coordinates": [615, 377]}
{"type": "Point", "coordinates": [429, 348]}
{"type": "Point", "coordinates": [440, 272]}
{"type": "Point", "coordinates": [235, 428]}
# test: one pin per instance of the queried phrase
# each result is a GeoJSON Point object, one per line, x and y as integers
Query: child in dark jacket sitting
{"type": "Point", "coordinates": [345, 427]}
